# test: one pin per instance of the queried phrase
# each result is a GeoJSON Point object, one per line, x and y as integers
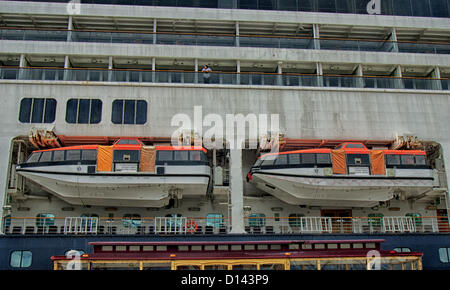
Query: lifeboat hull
{"type": "Point", "coordinates": [119, 189]}
{"type": "Point", "coordinates": [338, 191]}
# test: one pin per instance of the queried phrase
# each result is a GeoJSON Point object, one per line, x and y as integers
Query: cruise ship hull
{"type": "Point", "coordinates": [118, 189]}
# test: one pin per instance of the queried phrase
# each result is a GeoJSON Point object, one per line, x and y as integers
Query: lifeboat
{"type": "Point", "coordinates": [350, 175]}
{"type": "Point", "coordinates": [125, 174]}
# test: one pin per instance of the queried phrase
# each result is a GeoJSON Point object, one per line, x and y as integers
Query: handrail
{"type": "Point", "coordinates": [224, 72]}
{"type": "Point", "coordinates": [227, 35]}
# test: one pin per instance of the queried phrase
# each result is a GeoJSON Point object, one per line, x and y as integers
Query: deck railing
{"type": "Point", "coordinates": [221, 78]}
{"type": "Point", "coordinates": [225, 40]}
{"type": "Point", "coordinates": [211, 225]}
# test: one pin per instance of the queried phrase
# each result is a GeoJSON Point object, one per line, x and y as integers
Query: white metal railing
{"type": "Point", "coordinates": [80, 225]}
{"type": "Point", "coordinates": [398, 224]}
{"type": "Point", "coordinates": [171, 225]}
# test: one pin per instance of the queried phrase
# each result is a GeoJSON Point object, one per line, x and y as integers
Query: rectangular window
{"type": "Point", "coordinates": [308, 158]}
{"type": "Point", "coordinates": [323, 158]}
{"type": "Point", "coordinates": [392, 159]}
{"type": "Point", "coordinates": [358, 159]}
{"type": "Point", "coordinates": [294, 159]}
{"type": "Point", "coordinates": [421, 160]}
{"type": "Point", "coordinates": [181, 155]}
{"type": "Point", "coordinates": [83, 111]}
{"type": "Point", "coordinates": [37, 110]}
{"type": "Point", "coordinates": [281, 160]}
{"type": "Point", "coordinates": [58, 155]}
{"type": "Point", "coordinates": [90, 154]}
{"type": "Point", "coordinates": [46, 156]}
{"type": "Point", "coordinates": [407, 159]}
{"type": "Point", "coordinates": [129, 112]}
{"type": "Point", "coordinates": [444, 255]}
{"type": "Point", "coordinates": [165, 155]}
{"type": "Point", "coordinates": [34, 157]}
{"type": "Point", "coordinates": [268, 161]}
{"type": "Point", "coordinates": [21, 259]}
{"type": "Point", "coordinates": [72, 155]}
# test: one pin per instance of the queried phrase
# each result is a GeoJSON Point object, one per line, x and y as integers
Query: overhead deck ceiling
{"type": "Point", "coordinates": [220, 27]}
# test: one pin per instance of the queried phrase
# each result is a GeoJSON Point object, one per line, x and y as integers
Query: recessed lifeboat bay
{"type": "Point", "coordinates": [127, 173]}
{"type": "Point", "coordinates": [349, 175]}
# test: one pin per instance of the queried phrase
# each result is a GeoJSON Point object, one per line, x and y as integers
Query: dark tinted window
{"type": "Point", "coordinates": [407, 159]}
{"type": "Point", "coordinates": [58, 155]}
{"type": "Point", "coordinates": [357, 146]}
{"type": "Point", "coordinates": [129, 112]}
{"type": "Point", "coordinates": [197, 156]}
{"type": "Point", "coordinates": [392, 159]}
{"type": "Point", "coordinates": [126, 156]}
{"type": "Point", "coordinates": [281, 160]}
{"type": "Point", "coordinates": [37, 110]}
{"type": "Point", "coordinates": [294, 159]}
{"type": "Point", "coordinates": [90, 154]}
{"type": "Point", "coordinates": [268, 161]}
{"type": "Point", "coordinates": [34, 157]}
{"type": "Point", "coordinates": [83, 111]}
{"type": "Point", "coordinates": [181, 155]}
{"type": "Point", "coordinates": [46, 156]}
{"type": "Point", "coordinates": [165, 155]}
{"type": "Point", "coordinates": [308, 158]}
{"type": "Point", "coordinates": [258, 163]}
{"type": "Point", "coordinates": [421, 160]}
{"type": "Point", "coordinates": [323, 158]}
{"type": "Point", "coordinates": [73, 155]}
{"type": "Point", "coordinates": [356, 159]}
{"type": "Point", "coordinates": [128, 142]}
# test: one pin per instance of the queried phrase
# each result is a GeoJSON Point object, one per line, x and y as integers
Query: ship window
{"type": "Point", "coordinates": [214, 220]}
{"type": "Point", "coordinates": [407, 159]}
{"type": "Point", "coordinates": [392, 159]}
{"type": "Point", "coordinates": [402, 250]}
{"type": "Point", "coordinates": [355, 146]}
{"type": "Point", "coordinates": [197, 156]}
{"type": "Point", "coordinates": [58, 155]}
{"type": "Point", "coordinates": [308, 158]}
{"type": "Point", "coordinates": [129, 112]}
{"type": "Point", "coordinates": [421, 160]}
{"type": "Point", "coordinates": [46, 156]}
{"type": "Point", "coordinates": [84, 111]}
{"type": "Point", "coordinates": [323, 158]}
{"type": "Point", "coordinates": [128, 142]}
{"type": "Point", "coordinates": [37, 110]}
{"type": "Point", "coordinates": [210, 248]}
{"type": "Point", "coordinates": [295, 219]}
{"type": "Point", "coordinates": [294, 158]}
{"type": "Point", "coordinates": [180, 155]}
{"type": "Point", "coordinates": [256, 220]}
{"type": "Point", "coordinates": [90, 154]}
{"type": "Point", "coordinates": [281, 160]}
{"type": "Point", "coordinates": [34, 157]}
{"type": "Point", "coordinates": [45, 219]}
{"type": "Point", "coordinates": [357, 159]}
{"type": "Point", "coordinates": [165, 155]}
{"type": "Point", "coordinates": [21, 259]}
{"type": "Point", "coordinates": [131, 220]}
{"type": "Point", "coordinates": [268, 161]}
{"type": "Point", "coordinates": [444, 255]}
{"type": "Point", "coordinates": [73, 155]}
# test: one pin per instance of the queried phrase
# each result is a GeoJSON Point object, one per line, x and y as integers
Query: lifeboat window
{"type": "Point", "coordinates": [73, 155]}
{"type": "Point", "coordinates": [392, 159]}
{"type": "Point", "coordinates": [308, 158]}
{"type": "Point", "coordinates": [45, 219]}
{"type": "Point", "coordinates": [34, 157]}
{"type": "Point", "coordinates": [407, 159]}
{"type": "Point", "coordinates": [402, 250]}
{"type": "Point", "coordinates": [268, 161]}
{"type": "Point", "coordinates": [127, 142]}
{"type": "Point", "coordinates": [58, 155]}
{"type": "Point", "coordinates": [323, 158]}
{"type": "Point", "coordinates": [340, 146]}
{"type": "Point", "coordinates": [46, 156]}
{"type": "Point", "coordinates": [126, 155]}
{"type": "Point", "coordinates": [294, 158]}
{"type": "Point", "coordinates": [357, 159]}
{"type": "Point", "coordinates": [281, 160]}
{"type": "Point", "coordinates": [421, 160]}
{"type": "Point", "coordinates": [181, 155]}
{"type": "Point", "coordinates": [165, 155]}
{"type": "Point", "coordinates": [244, 267]}
{"type": "Point", "coordinates": [197, 156]}
{"type": "Point", "coordinates": [90, 154]}
{"type": "Point", "coordinates": [355, 146]}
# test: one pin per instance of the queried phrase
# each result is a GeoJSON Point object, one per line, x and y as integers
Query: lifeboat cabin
{"type": "Point", "coordinates": [350, 175]}
{"type": "Point", "coordinates": [128, 173]}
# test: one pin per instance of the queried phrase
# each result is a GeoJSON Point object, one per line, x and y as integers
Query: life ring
{"type": "Point", "coordinates": [191, 226]}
